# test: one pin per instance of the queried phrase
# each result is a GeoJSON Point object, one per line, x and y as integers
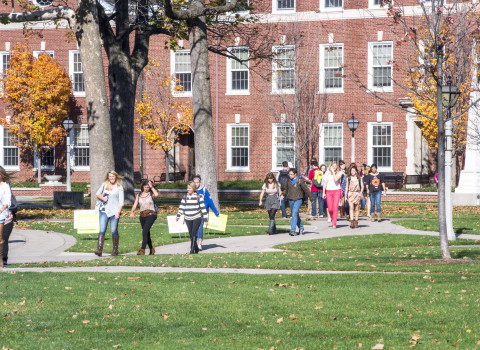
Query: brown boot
{"type": "Point", "coordinates": [101, 240]}
{"type": "Point", "coordinates": [152, 251]}
{"type": "Point", "coordinates": [378, 217]}
{"type": "Point", "coordinates": [356, 223]}
{"type": "Point", "coordinates": [351, 223]}
{"type": "Point", "coordinates": [115, 245]}
{"type": "Point", "coordinates": [141, 252]}
{"type": "Point", "coordinates": [342, 211]}
{"type": "Point", "coordinates": [373, 217]}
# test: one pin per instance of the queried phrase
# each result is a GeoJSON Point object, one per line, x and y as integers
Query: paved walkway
{"type": "Point", "coordinates": [29, 246]}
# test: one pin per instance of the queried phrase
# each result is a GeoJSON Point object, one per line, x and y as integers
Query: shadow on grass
{"type": "Point", "coordinates": [461, 230]}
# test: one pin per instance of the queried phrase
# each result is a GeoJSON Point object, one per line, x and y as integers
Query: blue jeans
{"type": "Point", "coordinates": [317, 197]}
{"type": "Point", "coordinates": [363, 201]}
{"type": "Point", "coordinates": [282, 207]}
{"type": "Point", "coordinates": [295, 220]}
{"type": "Point", "coordinates": [200, 231]}
{"type": "Point", "coordinates": [104, 219]}
{"type": "Point", "coordinates": [375, 198]}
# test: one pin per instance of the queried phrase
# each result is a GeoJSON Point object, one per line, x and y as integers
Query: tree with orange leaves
{"type": "Point", "coordinates": [38, 92]}
{"type": "Point", "coordinates": [162, 118]}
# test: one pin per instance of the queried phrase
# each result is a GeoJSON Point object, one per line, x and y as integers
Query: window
{"type": "Point", "coordinates": [181, 70]}
{"type": "Point", "coordinates": [380, 145]}
{"type": "Point", "coordinates": [331, 71]}
{"type": "Point", "coordinates": [283, 144]}
{"type": "Point", "coordinates": [326, 5]}
{"type": "Point", "coordinates": [80, 148]}
{"type": "Point", "coordinates": [4, 66]}
{"type": "Point", "coordinates": [375, 3]}
{"type": "Point", "coordinates": [380, 58]}
{"type": "Point", "coordinates": [237, 72]}
{"type": "Point", "coordinates": [331, 142]}
{"type": "Point", "coordinates": [76, 73]}
{"type": "Point", "coordinates": [43, 3]}
{"type": "Point", "coordinates": [238, 147]}
{"type": "Point", "coordinates": [283, 69]}
{"type": "Point", "coordinates": [9, 151]}
{"type": "Point", "coordinates": [48, 158]}
{"type": "Point", "coordinates": [241, 8]}
{"type": "Point", "coordinates": [37, 53]}
{"type": "Point", "coordinates": [283, 6]}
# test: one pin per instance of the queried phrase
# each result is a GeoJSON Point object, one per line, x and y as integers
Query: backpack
{"type": "Point", "coordinates": [283, 178]}
{"type": "Point", "coordinates": [317, 178]}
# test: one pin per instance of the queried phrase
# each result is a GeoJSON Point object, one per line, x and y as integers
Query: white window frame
{"type": "Point", "coordinates": [372, 5]}
{"type": "Point", "coordinates": [370, 145]}
{"type": "Point", "coordinates": [371, 67]}
{"type": "Point", "coordinates": [42, 165]}
{"type": "Point", "coordinates": [71, 68]}
{"type": "Point", "coordinates": [323, 48]}
{"type": "Point", "coordinates": [276, 161]}
{"type": "Point", "coordinates": [3, 55]}
{"type": "Point", "coordinates": [230, 167]}
{"type": "Point", "coordinates": [2, 153]}
{"type": "Point", "coordinates": [230, 70]}
{"type": "Point", "coordinates": [38, 52]}
{"type": "Point", "coordinates": [173, 74]}
{"type": "Point", "coordinates": [276, 10]}
{"type": "Point", "coordinates": [321, 142]}
{"type": "Point", "coordinates": [325, 8]}
{"type": "Point", "coordinates": [73, 146]}
{"type": "Point", "coordinates": [275, 70]}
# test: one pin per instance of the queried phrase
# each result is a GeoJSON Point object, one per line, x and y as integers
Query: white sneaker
{"type": "Point", "coordinates": [329, 220]}
{"type": "Point", "coordinates": [321, 216]}
{"type": "Point", "coordinates": [199, 246]}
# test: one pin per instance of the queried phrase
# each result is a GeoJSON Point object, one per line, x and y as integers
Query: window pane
{"type": "Point", "coordinates": [333, 3]}
{"type": "Point", "coordinates": [81, 147]}
{"type": "Point", "coordinates": [285, 144]}
{"type": "Point", "coordinates": [10, 151]}
{"type": "Point", "coordinates": [185, 80]}
{"type": "Point", "coordinates": [239, 146]}
{"type": "Point", "coordinates": [48, 157]}
{"type": "Point", "coordinates": [382, 142]}
{"type": "Point", "coordinates": [240, 80]}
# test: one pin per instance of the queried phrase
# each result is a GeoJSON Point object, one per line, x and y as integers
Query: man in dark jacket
{"type": "Point", "coordinates": [295, 190]}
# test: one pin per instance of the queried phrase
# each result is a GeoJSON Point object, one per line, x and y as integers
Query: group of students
{"type": "Point", "coordinates": [194, 206]}
{"type": "Point", "coordinates": [340, 186]}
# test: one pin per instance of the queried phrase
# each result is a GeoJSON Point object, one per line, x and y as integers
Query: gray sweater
{"type": "Point", "coordinates": [115, 200]}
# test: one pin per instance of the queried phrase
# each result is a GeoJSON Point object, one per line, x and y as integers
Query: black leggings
{"type": "Point", "coordinates": [147, 223]}
{"type": "Point", "coordinates": [7, 230]}
{"type": "Point", "coordinates": [271, 213]}
{"type": "Point", "coordinates": [193, 226]}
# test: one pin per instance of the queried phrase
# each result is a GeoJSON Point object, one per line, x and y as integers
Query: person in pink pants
{"type": "Point", "coordinates": [332, 190]}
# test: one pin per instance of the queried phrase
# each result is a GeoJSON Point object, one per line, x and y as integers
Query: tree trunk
{"type": "Point", "coordinates": [88, 37]}
{"type": "Point", "coordinates": [167, 170]}
{"type": "Point", "coordinates": [123, 82]}
{"type": "Point", "coordinates": [205, 161]}
{"type": "Point", "coordinates": [442, 219]}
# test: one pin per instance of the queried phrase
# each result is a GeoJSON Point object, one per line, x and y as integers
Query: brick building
{"type": "Point", "coordinates": [344, 45]}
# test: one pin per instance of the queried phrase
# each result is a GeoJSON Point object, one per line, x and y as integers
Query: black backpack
{"type": "Point", "coordinates": [283, 178]}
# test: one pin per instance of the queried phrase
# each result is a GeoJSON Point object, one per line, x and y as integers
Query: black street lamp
{"type": "Point", "coordinates": [352, 124]}
{"type": "Point", "coordinates": [68, 126]}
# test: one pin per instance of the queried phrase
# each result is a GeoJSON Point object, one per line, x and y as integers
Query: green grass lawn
{"type": "Point", "coordinates": [373, 253]}
{"type": "Point", "coordinates": [219, 311]}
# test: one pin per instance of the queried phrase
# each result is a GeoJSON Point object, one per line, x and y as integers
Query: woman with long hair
{"type": "Point", "coordinates": [202, 190]}
{"type": "Point", "coordinates": [5, 201]}
{"type": "Point", "coordinates": [148, 214]}
{"type": "Point", "coordinates": [343, 168]}
{"type": "Point", "coordinates": [354, 186]}
{"type": "Point", "coordinates": [110, 200]}
{"type": "Point", "coordinates": [192, 207]}
{"type": "Point", "coordinates": [272, 200]}
{"type": "Point", "coordinates": [332, 190]}
{"type": "Point", "coordinates": [366, 172]}
{"type": "Point", "coordinates": [376, 186]}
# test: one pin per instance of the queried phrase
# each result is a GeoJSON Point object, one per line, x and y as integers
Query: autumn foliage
{"type": "Point", "coordinates": [161, 116]}
{"type": "Point", "coordinates": [38, 93]}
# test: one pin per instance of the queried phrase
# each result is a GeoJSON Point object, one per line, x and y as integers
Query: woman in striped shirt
{"type": "Point", "coordinates": [192, 207]}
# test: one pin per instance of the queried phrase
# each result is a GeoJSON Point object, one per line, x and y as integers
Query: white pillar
{"type": "Point", "coordinates": [468, 190]}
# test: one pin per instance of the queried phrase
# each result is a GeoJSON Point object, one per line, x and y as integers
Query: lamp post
{"type": "Point", "coordinates": [450, 94]}
{"type": "Point", "coordinates": [68, 126]}
{"type": "Point", "coordinates": [352, 124]}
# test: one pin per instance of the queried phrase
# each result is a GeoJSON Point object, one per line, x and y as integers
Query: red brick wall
{"type": "Point", "coordinates": [255, 108]}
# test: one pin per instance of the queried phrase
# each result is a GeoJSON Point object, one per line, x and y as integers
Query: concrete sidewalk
{"type": "Point", "coordinates": [29, 246]}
